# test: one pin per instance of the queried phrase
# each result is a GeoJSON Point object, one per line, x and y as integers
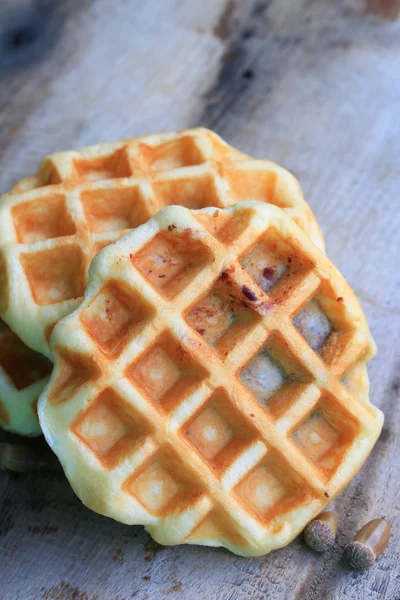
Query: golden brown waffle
{"type": "Point", "coordinates": [23, 375]}
{"type": "Point", "coordinates": [197, 389]}
{"type": "Point", "coordinates": [82, 201]}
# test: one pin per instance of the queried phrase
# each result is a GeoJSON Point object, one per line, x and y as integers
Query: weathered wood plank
{"type": "Point", "coordinates": [314, 85]}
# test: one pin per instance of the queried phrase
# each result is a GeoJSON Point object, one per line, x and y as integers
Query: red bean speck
{"type": "Point", "coordinates": [248, 293]}
{"type": "Point", "coordinates": [269, 273]}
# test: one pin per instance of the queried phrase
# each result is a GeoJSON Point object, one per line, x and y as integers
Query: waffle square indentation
{"type": "Point", "coordinates": [325, 433]}
{"type": "Point", "coordinates": [111, 428]}
{"type": "Point", "coordinates": [163, 485]}
{"type": "Point", "coordinates": [74, 371]}
{"type": "Point", "coordinates": [251, 184]}
{"type": "Point", "coordinates": [228, 228]}
{"type": "Point", "coordinates": [218, 527]}
{"type": "Point", "coordinates": [274, 265]}
{"type": "Point", "coordinates": [271, 489]}
{"type": "Point", "coordinates": [22, 365]}
{"type": "Point", "coordinates": [113, 209]}
{"type": "Point", "coordinates": [222, 318]}
{"type": "Point", "coordinates": [275, 376]}
{"type": "Point", "coordinates": [325, 324]}
{"type": "Point", "coordinates": [104, 167]}
{"type": "Point", "coordinates": [218, 431]}
{"type": "Point", "coordinates": [194, 192]}
{"type": "Point", "coordinates": [263, 376]}
{"type": "Point", "coordinates": [170, 262]}
{"type": "Point", "coordinates": [313, 324]}
{"type": "Point", "coordinates": [174, 154]}
{"type": "Point", "coordinates": [166, 373]}
{"type": "Point", "coordinates": [114, 316]}
{"type": "Point", "coordinates": [55, 275]}
{"type": "Point", "coordinates": [42, 219]}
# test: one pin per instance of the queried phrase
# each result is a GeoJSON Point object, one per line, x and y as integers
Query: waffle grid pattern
{"type": "Point", "coordinates": [245, 473]}
{"type": "Point", "coordinates": [23, 375]}
{"type": "Point", "coordinates": [81, 201]}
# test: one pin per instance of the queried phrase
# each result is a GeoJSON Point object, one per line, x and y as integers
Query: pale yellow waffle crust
{"type": "Point", "coordinates": [255, 480]}
{"type": "Point", "coordinates": [80, 201]}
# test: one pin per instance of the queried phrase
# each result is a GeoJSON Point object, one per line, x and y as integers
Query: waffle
{"type": "Point", "coordinates": [23, 375]}
{"type": "Point", "coordinates": [190, 395]}
{"type": "Point", "coordinates": [79, 202]}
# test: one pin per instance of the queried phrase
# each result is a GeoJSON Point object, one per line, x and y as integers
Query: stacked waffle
{"type": "Point", "coordinates": [209, 374]}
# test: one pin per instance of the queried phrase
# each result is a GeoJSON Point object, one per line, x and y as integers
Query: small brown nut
{"type": "Point", "coordinates": [320, 533]}
{"type": "Point", "coordinates": [368, 544]}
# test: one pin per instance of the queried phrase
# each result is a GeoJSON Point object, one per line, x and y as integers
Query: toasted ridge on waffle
{"type": "Point", "coordinates": [79, 202]}
{"type": "Point", "coordinates": [200, 390]}
{"type": "Point", "coordinates": [23, 375]}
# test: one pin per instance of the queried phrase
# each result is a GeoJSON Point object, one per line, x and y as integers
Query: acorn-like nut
{"type": "Point", "coordinates": [368, 544]}
{"type": "Point", "coordinates": [320, 533]}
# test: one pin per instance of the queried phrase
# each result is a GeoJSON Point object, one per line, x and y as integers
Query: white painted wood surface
{"type": "Point", "coordinates": [313, 85]}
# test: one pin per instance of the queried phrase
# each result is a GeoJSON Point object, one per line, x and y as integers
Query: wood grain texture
{"type": "Point", "coordinates": [313, 85]}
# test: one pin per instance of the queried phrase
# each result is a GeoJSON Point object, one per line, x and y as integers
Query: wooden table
{"type": "Point", "coordinates": [313, 85]}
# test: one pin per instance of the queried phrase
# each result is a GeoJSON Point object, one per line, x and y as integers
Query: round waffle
{"type": "Point", "coordinates": [200, 387]}
{"type": "Point", "coordinates": [79, 202]}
